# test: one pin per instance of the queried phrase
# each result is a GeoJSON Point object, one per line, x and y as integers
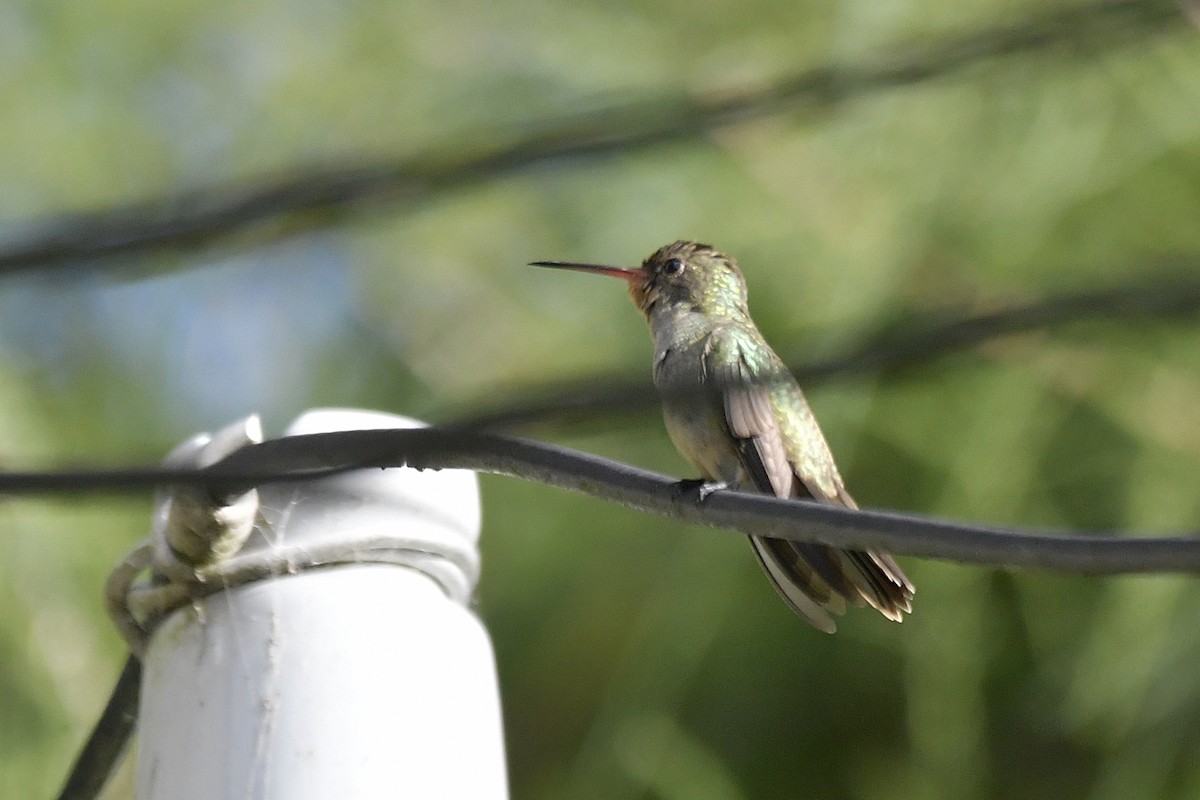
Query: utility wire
{"type": "Point", "coordinates": [109, 739]}
{"type": "Point", "coordinates": [316, 197]}
{"type": "Point", "coordinates": [317, 455]}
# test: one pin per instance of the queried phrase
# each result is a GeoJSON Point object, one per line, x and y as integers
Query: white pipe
{"type": "Point", "coordinates": [358, 681]}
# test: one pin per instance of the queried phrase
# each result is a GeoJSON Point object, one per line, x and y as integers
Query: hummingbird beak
{"type": "Point", "coordinates": [633, 275]}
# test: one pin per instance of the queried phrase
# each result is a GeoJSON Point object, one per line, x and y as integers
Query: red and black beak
{"type": "Point", "coordinates": [631, 274]}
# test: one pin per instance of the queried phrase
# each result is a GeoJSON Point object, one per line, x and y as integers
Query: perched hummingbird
{"type": "Point", "coordinates": [732, 409]}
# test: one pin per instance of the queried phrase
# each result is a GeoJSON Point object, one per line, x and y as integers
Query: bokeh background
{"type": "Point", "coordinates": [640, 658]}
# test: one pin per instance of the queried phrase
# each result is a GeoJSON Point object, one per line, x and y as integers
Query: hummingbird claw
{"type": "Point", "coordinates": [702, 487]}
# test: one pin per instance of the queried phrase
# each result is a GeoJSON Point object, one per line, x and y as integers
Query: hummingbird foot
{"type": "Point", "coordinates": [700, 487]}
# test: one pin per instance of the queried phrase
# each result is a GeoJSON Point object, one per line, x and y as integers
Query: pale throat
{"type": "Point", "coordinates": [676, 326]}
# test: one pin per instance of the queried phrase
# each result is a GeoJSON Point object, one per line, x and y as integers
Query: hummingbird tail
{"type": "Point", "coordinates": [883, 584]}
{"type": "Point", "coordinates": [798, 583]}
{"type": "Point", "coordinates": [815, 580]}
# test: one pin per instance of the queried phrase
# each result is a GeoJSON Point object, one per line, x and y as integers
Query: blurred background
{"type": "Point", "coordinates": [638, 658]}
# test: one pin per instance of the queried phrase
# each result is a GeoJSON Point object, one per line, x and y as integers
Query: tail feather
{"type": "Point", "coordinates": [817, 580]}
{"type": "Point", "coordinates": [882, 583]}
{"type": "Point", "coordinates": [800, 586]}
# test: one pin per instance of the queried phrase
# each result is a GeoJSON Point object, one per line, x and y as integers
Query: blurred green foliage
{"type": "Point", "coordinates": [638, 658]}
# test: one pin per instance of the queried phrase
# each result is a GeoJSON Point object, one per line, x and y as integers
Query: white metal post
{"type": "Point", "coordinates": [364, 680]}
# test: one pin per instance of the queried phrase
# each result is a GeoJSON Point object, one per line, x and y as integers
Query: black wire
{"type": "Point", "coordinates": [323, 196]}
{"type": "Point", "coordinates": [317, 455]}
{"type": "Point", "coordinates": [109, 739]}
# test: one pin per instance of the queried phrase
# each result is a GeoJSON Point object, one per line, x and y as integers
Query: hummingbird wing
{"type": "Point", "coordinates": [783, 452]}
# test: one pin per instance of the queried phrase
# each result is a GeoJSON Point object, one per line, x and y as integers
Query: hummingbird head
{"type": "Point", "coordinates": [681, 276]}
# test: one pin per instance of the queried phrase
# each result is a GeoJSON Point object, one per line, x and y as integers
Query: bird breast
{"type": "Point", "coordinates": [693, 411]}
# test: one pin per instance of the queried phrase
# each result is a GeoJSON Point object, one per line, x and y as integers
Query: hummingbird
{"type": "Point", "coordinates": [733, 409]}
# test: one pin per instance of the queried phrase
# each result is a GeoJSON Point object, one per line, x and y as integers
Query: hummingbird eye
{"type": "Point", "coordinates": [672, 266]}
